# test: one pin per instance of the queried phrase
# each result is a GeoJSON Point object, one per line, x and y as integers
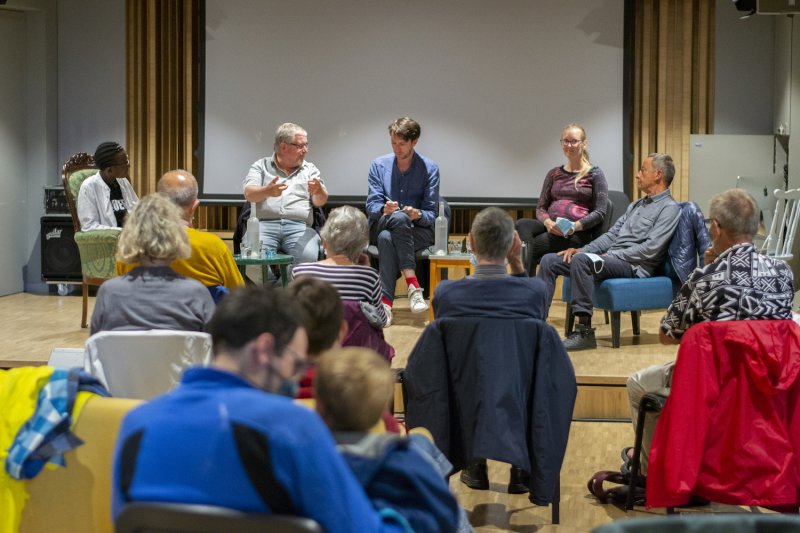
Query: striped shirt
{"type": "Point", "coordinates": [354, 282]}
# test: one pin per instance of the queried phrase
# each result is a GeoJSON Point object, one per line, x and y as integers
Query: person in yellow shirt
{"type": "Point", "coordinates": [211, 262]}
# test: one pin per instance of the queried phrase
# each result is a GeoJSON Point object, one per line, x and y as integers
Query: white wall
{"type": "Point", "coordinates": [12, 149]}
{"type": "Point", "coordinates": [743, 103]}
{"type": "Point", "coordinates": [91, 75]}
{"type": "Point", "coordinates": [28, 149]}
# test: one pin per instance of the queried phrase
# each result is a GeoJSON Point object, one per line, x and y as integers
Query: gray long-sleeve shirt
{"type": "Point", "coordinates": [641, 236]}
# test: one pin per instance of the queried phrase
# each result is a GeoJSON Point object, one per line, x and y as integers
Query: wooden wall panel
{"type": "Point", "coordinates": [673, 81]}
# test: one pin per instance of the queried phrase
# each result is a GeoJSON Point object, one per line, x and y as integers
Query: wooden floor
{"type": "Point", "coordinates": [34, 324]}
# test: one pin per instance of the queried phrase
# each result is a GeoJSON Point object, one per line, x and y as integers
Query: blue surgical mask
{"type": "Point", "coordinates": [288, 387]}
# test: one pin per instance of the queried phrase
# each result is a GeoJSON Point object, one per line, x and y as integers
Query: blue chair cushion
{"type": "Point", "coordinates": [629, 294]}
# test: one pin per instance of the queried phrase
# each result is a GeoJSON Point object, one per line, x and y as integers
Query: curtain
{"type": "Point", "coordinates": [672, 81]}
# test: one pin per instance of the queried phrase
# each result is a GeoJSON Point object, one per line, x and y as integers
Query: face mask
{"type": "Point", "coordinates": [288, 387]}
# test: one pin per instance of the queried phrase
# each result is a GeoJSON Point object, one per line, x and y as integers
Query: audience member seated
{"type": "Point", "coordinates": [105, 198]}
{"type": "Point", "coordinates": [152, 295]}
{"type": "Point", "coordinates": [345, 235]}
{"type": "Point", "coordinates": [211, 263]}
{"type": "Point", "coordinates": [227, 436]}
{"type": "Point", "coordinates": [492, 293]}
{"type": "Point", "coordinates": [736, 283]}
{"type": "Point", "coordinates": [633, 248]}
{"type": "Point", "coordinates": [352, 388]}
{"type": "Point", "coordinates": [324, 322]}
{"type": "Point", "coordinates": [326, 329]}
{"type": "Point", "coordinates": [283, 187]}
{"type": "Point", "coordinates": [402, 196]}
{"type": "Point", "coordinates": [577, 192]}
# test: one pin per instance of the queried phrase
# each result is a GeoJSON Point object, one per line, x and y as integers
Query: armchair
{"type": "Point", "coordinates": [97, 248]}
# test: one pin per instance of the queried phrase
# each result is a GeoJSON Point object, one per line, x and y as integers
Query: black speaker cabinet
{"type": "Point", "coordinates": [60, 259]}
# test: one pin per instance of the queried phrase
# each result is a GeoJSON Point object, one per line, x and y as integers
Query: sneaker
{"type": "Point", "coordinates": [580, 339]}
{"type": "Point", "coordinates": [388, 310]}
{"type": "Point", "coordinates": [416, 301]}
{"type": "Point", "coordinates": [518, 481]}
{"type": "Point", "coordinates": [475, 475]}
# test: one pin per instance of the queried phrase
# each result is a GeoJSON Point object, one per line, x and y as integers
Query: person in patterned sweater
{"type": "Point", "coordinates": [736, 283]}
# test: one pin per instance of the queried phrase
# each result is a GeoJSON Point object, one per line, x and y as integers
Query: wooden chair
{"type": "Point", "coordinates": [97, 248]}
{"type": "Point", "coordinates": [784, 225]}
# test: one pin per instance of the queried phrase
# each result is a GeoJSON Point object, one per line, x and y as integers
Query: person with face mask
{"type": "Point", "coordinates": [230, 434]}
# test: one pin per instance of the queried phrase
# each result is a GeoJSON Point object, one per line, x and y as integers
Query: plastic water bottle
{"type": "Point", "coordinates": [440, 232]}
{"type": "Point", "coordinates": [253, 235]}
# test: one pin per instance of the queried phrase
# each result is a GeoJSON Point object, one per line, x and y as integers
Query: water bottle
{"type": "Point", "coordinates": [440, 232]}
{"type": "Point", "coordinates": [253, 235]}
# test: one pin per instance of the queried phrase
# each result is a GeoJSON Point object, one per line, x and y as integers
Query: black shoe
{"type": "Point", "coordinates": [580, 339]}
{"type": "Point", "coordinates": [518, 481]}
{"type": "Point", "coordinates": [475, 476]}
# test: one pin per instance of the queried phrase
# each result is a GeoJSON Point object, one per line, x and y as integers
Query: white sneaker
{"type": "Point", "coordinates": [388, 310]}
{"type": "Point", "coordinates": [416, 301]}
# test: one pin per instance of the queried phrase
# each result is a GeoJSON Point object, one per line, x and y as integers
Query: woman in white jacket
{"type": "Point", "coordinates": [106, 198]}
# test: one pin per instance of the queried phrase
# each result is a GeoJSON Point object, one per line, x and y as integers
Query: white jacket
{"type": "Point", "coordinates": [94, 203]}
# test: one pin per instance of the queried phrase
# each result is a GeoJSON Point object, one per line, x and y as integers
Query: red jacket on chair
{"type": "Point", "coordinates": [730, 430]}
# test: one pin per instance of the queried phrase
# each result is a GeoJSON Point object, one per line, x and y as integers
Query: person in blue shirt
{"type": "Point", "coordinates": [229, 436]}
{"type": "Point", "coordinates": [352, 388]}
{"type": "Point", "coordinates": [401, 207]}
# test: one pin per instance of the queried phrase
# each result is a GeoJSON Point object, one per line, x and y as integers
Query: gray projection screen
{"type": "Point", "coordinates": [491, 83]}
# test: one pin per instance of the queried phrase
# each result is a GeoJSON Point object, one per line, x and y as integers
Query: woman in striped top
{"type": "Point", "coordinates": [344, 236]}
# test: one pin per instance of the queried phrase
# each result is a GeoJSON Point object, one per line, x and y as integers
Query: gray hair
{"type": "Point", "coordinates": [346, 232]}
{"type": "Point", "coordinates": [286, 132]}
{"type": "Point", "coordinates": [736, 212]}
{"type": "Point", "coordinates": [492, 233]}
{"type": "Point", "coordinates": [664, 163]}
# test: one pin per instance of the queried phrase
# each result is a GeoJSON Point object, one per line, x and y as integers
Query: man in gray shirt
{"type": "Point", "coordinates": [281, 186]}
{"type": "Point", "coordinates": [632, 248]}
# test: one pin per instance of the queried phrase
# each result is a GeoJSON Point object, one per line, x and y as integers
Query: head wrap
{"type": "Point", "coordinates": [105, 153]}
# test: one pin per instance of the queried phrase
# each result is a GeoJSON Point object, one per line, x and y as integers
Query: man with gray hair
{"type": "Point", "coordinates": [492, 293]}
{"type": "Point", "coordinates": [283, 187]}
{"type": "Point", "coordinates": [736, 283]}
{"type": "Point", "coordinates": [211, 262]}
{"type": "Point", "coordinates": [633, 248]}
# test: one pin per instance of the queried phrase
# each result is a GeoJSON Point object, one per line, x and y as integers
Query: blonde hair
{"type": "Point", "coordinates": [154, 231]}
{"type": "Point", "coordinates": [586, 164]}
{"type": "Point", "coordinates": [353, 387]}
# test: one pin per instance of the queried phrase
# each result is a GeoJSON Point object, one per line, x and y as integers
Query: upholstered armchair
{"type": "Point", "coordinates": [97, 248]}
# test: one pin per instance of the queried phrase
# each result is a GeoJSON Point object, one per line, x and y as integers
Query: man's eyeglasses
{"type": "Point", "coordinates": [301, 364]}
{"type": "Point", "coordinates": [299, 146]}
{"type": "Point", "coordinates": [570, 142]}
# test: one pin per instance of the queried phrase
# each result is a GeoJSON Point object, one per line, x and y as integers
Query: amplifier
{"type": "Point", "coordinates": [55, 200]}
{"type": "Point", "coordinates": [61, 260]}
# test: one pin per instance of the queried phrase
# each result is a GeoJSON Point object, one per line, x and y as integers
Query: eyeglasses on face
{"type": "Point", "coordinates": [125, 163]}
{"type": "Point", "coordinates": [303, 146]}
{"type": "Point", "coordinates": [300, 364]}
{"type": "Point", "coordinates": [570, 142]}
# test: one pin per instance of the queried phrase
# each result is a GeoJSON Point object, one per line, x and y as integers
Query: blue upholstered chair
{"type": "Point", "coordinates": [635, 295]}
{"type": "Point", "coordinates": [632, 295]}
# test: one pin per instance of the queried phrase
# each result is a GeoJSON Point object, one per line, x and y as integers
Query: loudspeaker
{"type": "Point", "coordinates": [60, 258]}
